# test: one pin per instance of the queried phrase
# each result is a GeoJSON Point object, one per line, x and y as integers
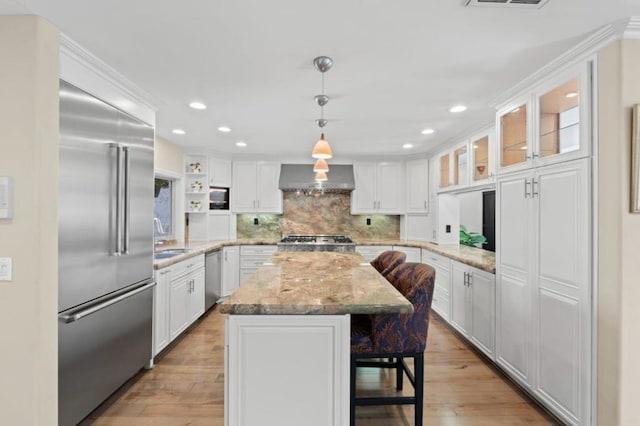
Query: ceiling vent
{"type": "Point", "coordinates": [532, 4]}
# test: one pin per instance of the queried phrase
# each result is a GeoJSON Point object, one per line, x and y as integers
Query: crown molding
{"type": "Point", "coordinates": [632, 29]}
{"type": "Point", "coordinates": [84, 69]}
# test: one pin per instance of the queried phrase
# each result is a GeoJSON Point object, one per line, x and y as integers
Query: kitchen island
{"type": "Point", "coordinates": [287, 338]}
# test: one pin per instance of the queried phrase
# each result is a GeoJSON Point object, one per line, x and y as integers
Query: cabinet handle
{"type": "Point", "coordinates": [425, 204]}
{"type": "Point", "coordinates": [225, 256]}
{"type": "Point", "coordinates": [374, 205]}
{"type": "Point", "coordinates": [254, 204]}
{"type": "Point", "coordinates": [469, 279]}
{"type": "Point", "coordinates": [534, 155]}
{"type": "Point", "coordinates": [164, 272]}
{"type": "Point", "coordinates": [465, 279]}
{"type": "Point", "coordinates": [190, 265]}
{"type": "Point", "coordinates": [526, 185]}
{"type": "Point", "coordinates": [534, 193]}
{"type": "Point", "coordinates": [258, 202]}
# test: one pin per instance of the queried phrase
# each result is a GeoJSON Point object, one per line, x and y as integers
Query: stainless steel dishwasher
{"type": "Point", "coordinates": [213, 277]}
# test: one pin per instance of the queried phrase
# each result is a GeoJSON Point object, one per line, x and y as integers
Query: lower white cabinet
{"type": "Point", "coordinates": [293, 364]}
{"type": "Point", "coordinates": [413, 253]}
{"type": "Point", "coordinates": [252, 257]}
{"type": "Point", "coordinates": [441, 264]}
{"type": "Point", "coordinates": [178, 300]}
{"type": "Point", "coordinates": [371, 252]}
{"type": "Point", "coordinates": [473, 305]}
{"type": "Point", "coordinates": [230, 270]}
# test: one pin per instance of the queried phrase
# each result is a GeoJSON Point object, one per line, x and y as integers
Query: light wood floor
{"type": "Point", "coordinates": [186, 387]}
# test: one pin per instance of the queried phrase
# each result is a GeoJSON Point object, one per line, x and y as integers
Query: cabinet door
{"type": "Point", "coordinates": [363, 198]}
{"type": "Point", "coordinates": [514, 136]}
{"type": "Point", "coordinates": [179, 306]}
{"type": "Point", "coordinates": [461, 165]}
{"type": "Point", "coordinates": [482, 293]}
{"type": "Point", "coordinates": [219, 172]}
{"type": "Point", "coordinates": [417, 186]}
{"type": "Point", "coordinates": [230, 270]}
{"type": "Point", "coordinates": [444, 177]}
{"type": "Point", "coordinates": [481, 156]}
{"type": "Point", "coordinates": [196, 303]}
{"type": "Point", "coordinates": [244, 187]}
{"type": "Point", "coordinates": [161, 310]}
{"type": "Point", "coordinates": [389, 188]}
{"type": "Point", "coordinates": [268, 196]}
{"type": "Point", "coordinates": [459, 305]}
{"type": "Point", "coordinates": [513, 211]}
{"type": "Point", "coordinates": [563, 311]}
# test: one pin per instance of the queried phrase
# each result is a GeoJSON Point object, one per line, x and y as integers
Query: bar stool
{"type": "Point", "coordinates": [396, 336]}
{"type": "Point", "coordinates": [387, 261]}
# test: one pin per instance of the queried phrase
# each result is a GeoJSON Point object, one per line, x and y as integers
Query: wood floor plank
{"type": "Point", "coordinates": [186, 387]}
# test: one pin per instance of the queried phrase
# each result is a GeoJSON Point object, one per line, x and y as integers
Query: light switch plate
{"type": "Point", "coordinates": [6, 197]}
{"type": "Point", "coordinates": [5, 269]}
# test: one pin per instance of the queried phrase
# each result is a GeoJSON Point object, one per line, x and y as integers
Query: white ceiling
{"type": "Point", "coordinates": [398, 66]}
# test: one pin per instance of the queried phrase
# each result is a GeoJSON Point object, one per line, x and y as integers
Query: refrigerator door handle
{"type": "Point", "coordinates": [119, 183]}
{"type": "Point", "coordinates": [75, 316]}
{"type": "Point", "coordinates": [127, 201]}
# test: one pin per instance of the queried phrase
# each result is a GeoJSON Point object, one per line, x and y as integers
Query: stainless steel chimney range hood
{"type": "Point", "coordinates": [300, 177]}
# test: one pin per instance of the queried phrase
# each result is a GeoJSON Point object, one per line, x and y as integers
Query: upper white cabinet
{"type": "Point", "coordinates": [547, 125]}
{"type": "Point", "coordinates": [543, 315]}
{"type": "Point", "coordinates": [379, 188]}
{"type": "Point", "coordinates": [468, 163]}
{"type": "Point", "coordinates": [219, 172]}
{"type": "Point", "coordinates": [417, 186]}
{"type": "Point", "coordinates": [255, 187]}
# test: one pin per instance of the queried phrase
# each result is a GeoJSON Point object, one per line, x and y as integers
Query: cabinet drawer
{"type": "Point", "coordinates": [435, 259]}
{"type": "Point", "coordinates": [253, 261]}
{"type": "Point", "coordinates": [259, 250]}
{"type": "Point", "coordinates": [246, 273]}
{"type": "Point", "coordinates": [413, 253]}
{"type": "Point", "coordinates": [371, 252]}
{"type": "Point", "coordinates": [187, 266]}
{"type": "Point", "coordinates": [440, 303]}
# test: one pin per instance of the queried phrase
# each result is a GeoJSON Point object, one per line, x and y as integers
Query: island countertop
{"type": "Point", "coordinates": [315, 283]}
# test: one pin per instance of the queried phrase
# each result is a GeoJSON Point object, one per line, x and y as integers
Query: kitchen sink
{"type": "Point", "coordinates": [166, 254]}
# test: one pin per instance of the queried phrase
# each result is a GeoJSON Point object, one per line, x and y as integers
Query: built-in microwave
{"type": "Point", "coordinates": [218, 198]}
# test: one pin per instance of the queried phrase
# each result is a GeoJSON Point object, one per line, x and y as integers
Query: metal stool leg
{"type": "Point", "coordinates": [419, 387]}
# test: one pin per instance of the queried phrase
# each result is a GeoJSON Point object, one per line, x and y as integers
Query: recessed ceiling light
{"type": "Point", "coordinates": [197, 105]}
{"type": "Point", "coordinates": [427, 131]}
{"type": "Point", "coordinates": [241, 144]}
{"type": "Point", "coordinates": [571, 95]}
{"type": "Point", "coordinates": [224, 129]}
{"type": "Point", "coordinates": [458, 108]}
{"type": "Point", "coordinates": [179, 132]}
{"type": "Point", "coordinates": [407, 146]}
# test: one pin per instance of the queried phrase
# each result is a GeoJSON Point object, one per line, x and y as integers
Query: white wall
{"type": "Point", "coordinates": [618, 316]}
{"type": "Point", "coordinates": [29, 153]}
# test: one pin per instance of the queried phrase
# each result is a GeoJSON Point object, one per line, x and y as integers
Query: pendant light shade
{"type": "Point", "coordinates": [321, 177]}
{"type": "Point", "coordinates": [322, 149]}
{"type": "Point", "coordinates": [321, 166]}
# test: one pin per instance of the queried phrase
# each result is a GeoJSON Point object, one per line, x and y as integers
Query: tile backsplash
{"type": "Point", "coordinates": [317, 214]}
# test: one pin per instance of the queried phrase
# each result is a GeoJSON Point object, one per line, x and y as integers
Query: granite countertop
{"type": "Point", "coordinates": [316, 283]}
{"type": "Point", "coordinates": [478, 258]}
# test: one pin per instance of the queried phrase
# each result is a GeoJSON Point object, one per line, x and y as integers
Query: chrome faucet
{"type": "Point", "coordinates": [159, 227]}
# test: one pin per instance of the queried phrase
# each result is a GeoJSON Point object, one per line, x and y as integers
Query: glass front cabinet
{"type": "Point", "coordinates": [547, 126]}
{"type": "Point", "coordinates": [469, 163]}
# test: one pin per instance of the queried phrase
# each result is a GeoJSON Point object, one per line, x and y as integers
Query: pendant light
{"type": "Point", "coordinates": [321, 177]}
{"type": "Point", "coordinates": [322, 149]}
{"type": "Point", "coordinates": [321, 166]}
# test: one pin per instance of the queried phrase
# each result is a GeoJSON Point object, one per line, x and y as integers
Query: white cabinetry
{"type": "Point", "coordinates": [379, 188]}
{"type": "Point", "coordinates": [196, 190]}
{"type": "Point", "coordinates": [252, 257]}
{"type": "Point", "coordinates": [442, 288]}
{"type": "Point", "coordinates": [255, 187]}
{"type": "Point", "coordinates": [230, 271]}
{"type": "Point", "coordinates": [417, 186]}
{"type": "Point", "coordinates": [412, 253]}
{"type": "Point", "coordinates": [473, 305]}
{"type": "Point", "coordinates": [186, 294]}
{"type": "Point", "coordinates": [178, 300]}
{"type": "Point", "coordinates": [371, 252]}
{"type": "Point", "coordinates": [161, 310]}
{"type": "Point", "coordinates": [543, 329]}
{"type": "Point", "coordinates": [219, 172]}
{"type": "Point", "coordinates": [272, 360]}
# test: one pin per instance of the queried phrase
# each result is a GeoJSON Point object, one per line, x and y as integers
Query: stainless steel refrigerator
{"type": "Point", "coordinates": [105, 251]}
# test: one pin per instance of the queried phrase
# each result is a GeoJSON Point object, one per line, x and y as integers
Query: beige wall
{"type": "Point", "coordinates": [618, 233]}
{"type": "Point", "coordinates": [28, 153]}
{"type": "Point", "coordinates": [168, 157]}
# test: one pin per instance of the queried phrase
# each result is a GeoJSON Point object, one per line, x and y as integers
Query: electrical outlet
{"type": "Point", "coordinates": [5, 269]}
{"type": "Point", "coordinates": [368, 221]}
{"type": "Point", "coordinates": [448, 229]}
{"type": "Point", "coordinates": [255, 220]}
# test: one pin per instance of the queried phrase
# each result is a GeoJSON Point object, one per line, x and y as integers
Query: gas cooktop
{"type": "Point", "coordinates": [340, 243]}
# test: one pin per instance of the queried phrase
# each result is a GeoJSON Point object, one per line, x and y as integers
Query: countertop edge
{"type": "Point", "coordinates": [201, 247]}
